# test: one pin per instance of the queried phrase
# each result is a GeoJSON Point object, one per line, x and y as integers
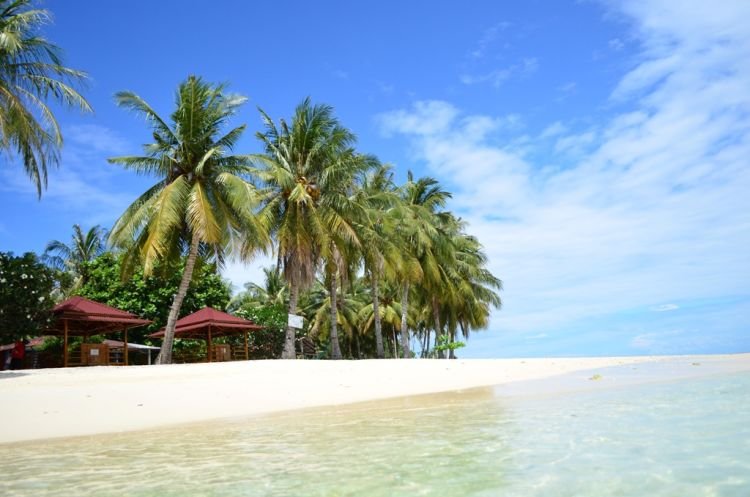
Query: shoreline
{"type": "Point", "coordinates": [55, 403]}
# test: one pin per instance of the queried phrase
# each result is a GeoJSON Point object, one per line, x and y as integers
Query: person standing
{"type": "Point", "coordinates": [18, 355]}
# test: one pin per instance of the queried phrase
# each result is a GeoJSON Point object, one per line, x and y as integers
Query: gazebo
{"type": "Point", "coordinates": [82, 317]}
{"type": "Point", "coordinates": [208, 324]}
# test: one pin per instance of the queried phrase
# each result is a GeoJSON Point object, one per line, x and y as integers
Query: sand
{"type": "Point", "coordinates": [39, 404]}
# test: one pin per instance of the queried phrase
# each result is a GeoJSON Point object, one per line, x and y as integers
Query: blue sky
{"type": "Point", "coordinates": [599, 149]}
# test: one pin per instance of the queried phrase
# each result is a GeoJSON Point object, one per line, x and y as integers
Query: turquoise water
{"type": "Point", "coordinates": [684, 438]}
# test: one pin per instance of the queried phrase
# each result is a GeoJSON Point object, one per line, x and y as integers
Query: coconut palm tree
{"type": "Point", "coordinates": [469, 288]}
{"type": "Point", "coordinates": [389, 312]}
{"type": "Point", "coordinates": [305, 169]}
{"type": "Point", "coordinates": [316, 303]}
{"type": "Point", "coordinates": [273, 292]}
{"type": "Point", "coordinates": [423, 239]}
{"type": "Point", "coordinates": [31, 73]}
{"type": "Point", "coordinates": [201, 201]}
{"type": "Point", "coordinates": [72, 258]}
{"type": "Point", "coordinates": [381, 251]}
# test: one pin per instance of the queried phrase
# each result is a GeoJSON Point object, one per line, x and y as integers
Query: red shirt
{"type": "Point", "coordinates": [19, 351]}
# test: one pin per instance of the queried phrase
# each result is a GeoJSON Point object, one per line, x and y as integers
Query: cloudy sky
{"type": "Point", "coordinates": [599, 150]}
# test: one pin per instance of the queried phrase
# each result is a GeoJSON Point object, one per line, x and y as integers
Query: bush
{"type": "Point", "coordinates": [151, 297]}
{"type": "Point", "coordinates": [268, 342]}
{"type": "Point", "coordinates": [25, 296]}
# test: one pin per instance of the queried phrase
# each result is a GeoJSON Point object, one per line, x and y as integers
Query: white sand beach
{"type": "Point", "coordinates": [39, 404]}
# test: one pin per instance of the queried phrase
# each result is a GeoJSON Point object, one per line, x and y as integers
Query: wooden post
{"type": "Point", "coordinates": [208, 344]}
{"type": "Point", "coordinates": [65, 343]}
{"type": "Point", "coordinates": [246, 354]}
{"type": "Point", "coordinates": [125, 350]}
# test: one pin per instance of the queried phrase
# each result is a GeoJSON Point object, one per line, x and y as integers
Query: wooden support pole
{"type": "Point", "coordinates": [125, 345]}
{"type": "Point", "coordinates": [208, 345]}
{"type": "Point", "coordinates": [247, 356]}
{"type": "Point", "coordinates": [65, 343]}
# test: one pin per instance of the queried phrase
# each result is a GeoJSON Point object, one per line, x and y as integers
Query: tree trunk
{"type": "Point", "coordinates": [395, 343]}
{"type": "Point", "coordinates": [165, 354]}
{"type": "Point", "coordinates": [438, 328]}
{"type": "Point", "coordinates": [335, 347]}
{"type": "Point", "coordinates": [289, 351]}
{"type": "Point", "coordinates": [452, 353]}
{"type": "Point", "coordinates": [356, 344]}
{"type": "Point", "coordinates": [376, 314]}
{"type": "Point", "coordinates": [404, 325]}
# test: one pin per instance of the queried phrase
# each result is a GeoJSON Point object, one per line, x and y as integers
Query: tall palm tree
{"type": "Point", "coordinates": [389, 312]}
{"type": "Point", "coordinates": [469, 288]}
{"type": "Point", "coordinates": [423, 239]}
{"type": "Point", "coordinates": [302, 171]}
{"type": "Point", "coordinates": [317, 302]}
{"type": "Point", "coordinates": [200, 200]}
{"type": "Point", "coordinates": [72, 258]}
{"type": "Point", "coordinates": [31, 72]}
{"type": "Point", "coordinates": [381, 251]}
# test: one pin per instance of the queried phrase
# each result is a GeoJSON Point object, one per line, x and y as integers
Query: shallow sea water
{"type": "Point", "coordinates": [681, 438]}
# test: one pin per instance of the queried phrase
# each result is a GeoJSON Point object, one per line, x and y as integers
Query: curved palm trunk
{"type": "Point", "coordinates": [165, 354]}
{"type": "Point", "coordinates": [404, 326]}
{"type": "Point", "coordinates": [438, 328]}
{"type": "Point", "coordinates": [289, 352]}
{"type": "Point", "coordinates": [376, 315]}
{"type": "Point", "coordinates": [335, 347]}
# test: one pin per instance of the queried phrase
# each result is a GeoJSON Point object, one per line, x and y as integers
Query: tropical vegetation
{"type": "Point", "coordinates": [376, 268]}
{"type": "Point", "coordinates": [70, 260]}
{"type": "Point", "coordinates": [26, 286]}
{"type": "Point", "coordinates": [150, 296]}
{"type": "Point", "coordinates": [200, 203]}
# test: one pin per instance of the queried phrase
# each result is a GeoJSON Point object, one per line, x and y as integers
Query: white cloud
{"type": "Point", "coordinates": [616, 44]}
{"type": "Point", "coordinates": [96, 138]}
{"type": "Point", "coordinates": [340, 74]}
{"type": "Point", "coordinates": [574, 144]}
{"type": "Point", "coordinates": [426, 118]}
{"type": "Point", "coordinates": [554, 129]}
{"type": "Point", "coordinates": [497, 77]}
{"type": "Point", "coordinates": [385, 88]}
{"type": "Point", "coordinates": [653, 205]}
{"type": "Point", "coordinates": [655, 342]}
{"type": "Point", "coordinates": [665, 308]}
{"type": "Point", "coordinates": [84, 182]}
{"type": "Point", "coordinates": [488, 37]}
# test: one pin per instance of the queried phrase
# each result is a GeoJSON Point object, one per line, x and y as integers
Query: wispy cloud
{"type": "Point", "coordinates": [616, 44]}
{"type": "Point", "coordinates": [489, 36]}
{"type": "Point", "coordinates": [386, 89]}
{"type": "Point", "coordinates": [497, 77]}
{"type": "Point", "coordinates": [96, 138]}
{"type": "Point", "coordinates": [340, 74]}
{"type": "Point", "coordinates": [652, 206]}
{"type": "Point", "coordinates": [665, 308]}
{"type": "Point", "coordinates": [84, 183]}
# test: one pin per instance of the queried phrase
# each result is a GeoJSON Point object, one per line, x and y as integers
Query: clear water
{"type": "Point", "coordinates": [685, 438]}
